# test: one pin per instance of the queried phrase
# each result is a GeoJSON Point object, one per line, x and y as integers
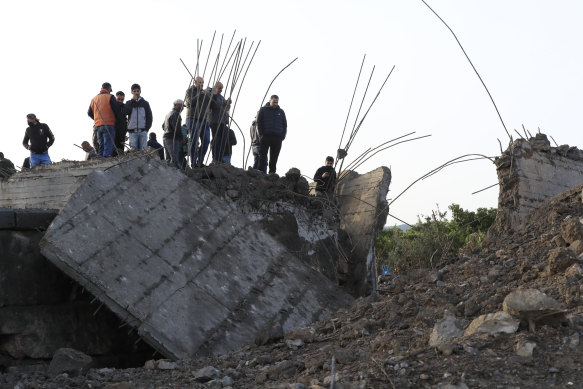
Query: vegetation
{"type": "Point", "coordinates": [433, 239]}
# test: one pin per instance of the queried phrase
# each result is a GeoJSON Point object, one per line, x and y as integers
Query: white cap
{"type": "Point", "coordinates": [178, 101]}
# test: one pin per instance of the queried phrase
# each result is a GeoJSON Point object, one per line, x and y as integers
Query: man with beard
{"type": "Point", "coordinates": [41, 138]}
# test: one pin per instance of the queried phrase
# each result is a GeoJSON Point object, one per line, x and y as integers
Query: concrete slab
{"type": "Point", "coordinates": [183, 266]}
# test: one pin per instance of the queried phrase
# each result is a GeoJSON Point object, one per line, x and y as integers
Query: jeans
{"type": "Point", "coordinates": [138, 139]}
{"type": "Point", "coordinates": [39, 159]}
{"type": "Point", "coordinates": [198, 129]}
{"type": "Point", "coordinates": [227, 159]}
{"type": "Point", "coordinates": [106, 140]}
{"type": "Point", "coordinates": [255, 150]}
{"type": "Point", "coordinates": [174, 150]}
{"type": "Point", "coordinates": [273, 145]}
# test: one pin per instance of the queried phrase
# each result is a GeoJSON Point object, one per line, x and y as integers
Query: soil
{"type": "Point", "coordinates": [382, 341]}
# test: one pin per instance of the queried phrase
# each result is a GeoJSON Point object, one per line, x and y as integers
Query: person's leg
{"type": "Point", "coordinates": [192, 140]}
{"type": "Point", "coordinates": [255, 150]}
{"type": "Point", "coordinates": [263, 149]}
{"type": "Point", "coordinates": [108, 140]}
{"type": "Point", "coordinates": [34, 160]}
{"type": "Point", "coordinates": [274, 149]}
{"type": "Point", "coordinates": [133, 140]}
{"type": "Point", "coordinates": [227, 159]}
{"type": "Point", "coordinates": [205, 135]}
{"type": "Point", "coordinates": [142, 140]}
{"type": "Point", "coordinates": [221, 142]}
{"type": "Point", "coordinates": [45, 159]}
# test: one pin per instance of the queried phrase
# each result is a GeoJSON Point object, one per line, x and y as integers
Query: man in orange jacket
{"type": "Point", "coordinates": [104, 110]}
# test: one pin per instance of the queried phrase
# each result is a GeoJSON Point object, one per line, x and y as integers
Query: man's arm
{"type": "Point", "coordinates": [148, 116]}
{"type": "Point", "coordinates": [90, 110]}
{"type": "Point", "coordinates": [50, 136]}
{"type": "Point", "coordinates": [260, 128]}
{"type": "Point", "coordinates": [318, 175]}
{"type": "Point", "coordinates": [115, 109]}
{"type": "Point", "coordinates": [284, 124]}
{"type": "Point", "coordinates": [25, 140]}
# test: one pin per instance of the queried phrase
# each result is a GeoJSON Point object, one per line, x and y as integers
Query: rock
{"type": "Point", "coordinates": [533, 306]}
{"type": "Point", "coordinates": [119, 385]}
{"type": "Point", "coordinates": [575, 271]}
{"type": "Point", "coordinates": [571, 230]}
{"type": "Point", "coordinates": [150, 364]}
{"type": "Point", "coordinates": [444, 330]}
{"type": "Point", "coordinates": [302, 187]}
{"type": "Point", "coordinates": [440, 283]}
{"type": "Point", "coordinates": [284, 369]}
{"type": "Point", "coordinates": [227, 381]}
{"type": "Point", "coordinates": [306, 334]}
{"type": "Point", "coordinates": [293, 175]}
{"type": "Point", "coordinates": [559, 241]}
{"type": "Point", "coordinates": [166, 364]}
{"type": "Point", "coordinates": [206, 374]}
{"type": "Point", "coordinates": [577, 246]}
{"type": "Point", "coordinates": [269, 335]}
{"type": "Point", "coordinates": [70, 361]}
{"type": "Point", "coordinates": [214, 384]}
{"type": "Point", "coordinates": [471, 308]}
{"type": "Point", "coordinates": [525, 348]}
{"type": "Point", "coordinates": [559, 260]}
{"type": "Point", "coordinates": [294, 344]}
{"type": "Point", "coordinates": [493, 323]}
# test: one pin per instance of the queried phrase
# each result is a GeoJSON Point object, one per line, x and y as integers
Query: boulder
{"type": "Point", "coordinates": [70, 361]}
{"type": "Point", "coordinates": [533, 306]}
{"type": "Point", "coordinates": [444, 331]}
{"type": "Point", "coordinates": [493, 323]}
{"type": "Point", "coordinates": [559, 260]}
{"type": "Point", "coordinates": [571, 230]}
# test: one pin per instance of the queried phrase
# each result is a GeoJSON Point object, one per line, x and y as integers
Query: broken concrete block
{"type": "Point", "coordinates": [493, 323]}
{"type": "Point", "coordinates": [444, 331]}
{"type": "Point", "coordinates": [533, 306]}
{"type": "Point", "coordinates": [571, 230]}
{"type": "Point", "coordinates": [183, 266]}
{"type": "Point", "coordinates": [70, 361]}
{"type": "Point", "coordinates": [559, 260]}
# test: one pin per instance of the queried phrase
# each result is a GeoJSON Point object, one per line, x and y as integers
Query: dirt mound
{"type": "Point", "coordinates": [383, 341]}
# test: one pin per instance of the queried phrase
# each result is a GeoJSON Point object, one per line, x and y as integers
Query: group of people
{"type": "Point", "coordinates": [207, 113]}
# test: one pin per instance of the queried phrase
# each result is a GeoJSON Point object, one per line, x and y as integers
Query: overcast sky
{"type": "Point", "coordinates": [56, 55]}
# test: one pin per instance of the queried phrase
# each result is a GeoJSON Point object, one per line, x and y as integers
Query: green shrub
{"type": "Point", "coordinates": [433, 239]}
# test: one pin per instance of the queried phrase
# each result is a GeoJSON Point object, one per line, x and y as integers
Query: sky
{"type": "Point", "coordinates": [56, 55]}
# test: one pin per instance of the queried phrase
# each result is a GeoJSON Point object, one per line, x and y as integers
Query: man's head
{"type": "Point", "coordinates": [152, 135]}
{"type": "Point", "coordinates": [31, 119]}
{"type": "Point", "coordinates": [178, 104]}
{"type": "Point", "coordinates": [136, 90]}
{"type": "Point", "coordinates": [199, 82]}
{"type": "Point", "coordinates": [106, 86]}
{"type": "Point", "coordinates": [86, 146]}
{"type": "Point", "coordinates": [218, 87]}
{"type": "Point", "coordinates": [120, 96]}
{"type": "Point", "coordinates": [274, 101]}
{"type": "Point", "coordinates": [329, 161]}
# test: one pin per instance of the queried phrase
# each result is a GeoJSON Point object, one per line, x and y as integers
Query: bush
{"type": "Point", "coordinates": [433, 239]}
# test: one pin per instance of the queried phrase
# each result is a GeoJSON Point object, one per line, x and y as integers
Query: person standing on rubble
{"type": "Point", "coordinates": [121, 125]}
{"type": "Point", "coordinates": [219, 118]}
{"type": "Point", "coordinates": [41, 138]}
{"type": "Point", "coordinates": [139, 118]}
{"type": "Point", "coordinates": [90, 152]}
{"type": "Point", "coordinates": [272, 128]}
{"type": "Point", "coordinates": [153, 143]}
{"type": "Point", "coordinates": [325, 178]}
{"type": "Point", "coordinates": [172, 138]}
{"type": "Point", "coordinates": [104, 110]}
{"type": "Point", "coordinates": [197, 103]}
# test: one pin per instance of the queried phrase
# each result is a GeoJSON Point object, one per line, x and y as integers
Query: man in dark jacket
{"type": "Point", "coordinates": [105, 112]}
{"type": "Point", "coordinates": [219, 118]}
{"type": "Point", "coordinates": [173, 139]}
{"type": "Point", "coordinates": [325, 178]}
{"type": "Point", "coordinates": [6, 167]}
{"type": "Point", "coordinates": [41, 138]}
{"type": "Point", "coordinates": [197, 102]}
{"type": "Point", "coordinates": [139, 118]}
{"type": "Point", "coordinates": [272, 128]}
{"type": "Point", "coordinates": [153, 143]}
{"type": "Point", "coordinates": [121, 126]}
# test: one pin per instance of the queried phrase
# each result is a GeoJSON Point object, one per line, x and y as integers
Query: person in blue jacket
{"type": "Point", "coordinates": [272, 128]}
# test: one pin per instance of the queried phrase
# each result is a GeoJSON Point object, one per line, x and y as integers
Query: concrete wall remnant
{"type": "Point", "coordinates": [47, 186]}
{"type": "Point", "coordinates": [529, 173]}
{"type": "Point", "coordinates": [180, 264]}
{"type": "Point", "coordinates": [363, 213]}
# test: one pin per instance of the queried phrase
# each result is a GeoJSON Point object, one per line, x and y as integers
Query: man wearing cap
{"type": "Point", "coordinates": [139, 118]}
{"type": "Point", "coordinates": [41, 138]}
{"type": "Point", "coordinates": [173, 138]}
{"type": "Point", "coordinates": [272, 128]}
{"type": "Point", "coordinates": [197, 104]}
{"type": "Point", "coordinates": [104, 110]}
